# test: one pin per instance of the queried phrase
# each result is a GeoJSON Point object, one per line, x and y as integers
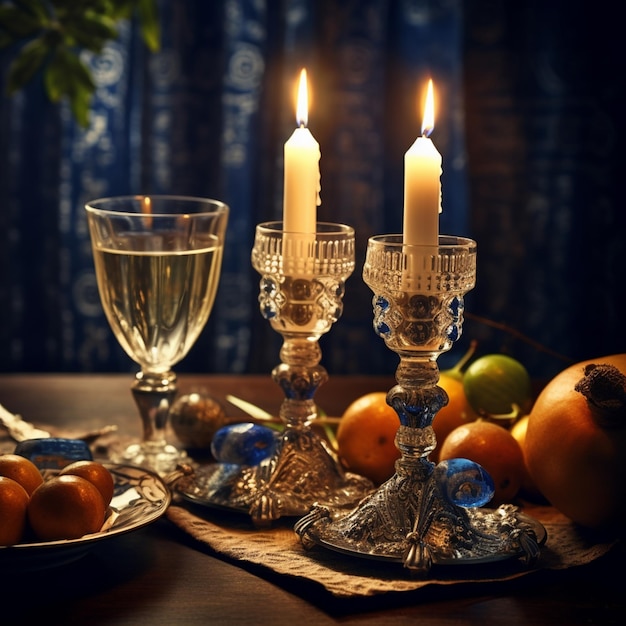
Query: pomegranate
{"type": "Point", "coordinates": [575, 444]}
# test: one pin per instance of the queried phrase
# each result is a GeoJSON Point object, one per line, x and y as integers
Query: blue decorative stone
{"type": "Point", "coordinates": [243, 444]}
{"type": "Point", "coordinates": [54, 452]}
{"type": "Point", "coordinates": [454, 332]}
{"type": "Point", "coordinates": [464, 482]}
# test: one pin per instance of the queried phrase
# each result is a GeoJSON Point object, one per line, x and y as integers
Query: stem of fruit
{"type": "Point", "coordinates": [604, 388]}
{"type": "Point", "coordinates": [457, 370]}
{"type": "Point", "coordinates": [260, 414]}
{"type": "Point", "coordinates": [518, 335]}
{"type": "Point", "coordinates": [513, 416]}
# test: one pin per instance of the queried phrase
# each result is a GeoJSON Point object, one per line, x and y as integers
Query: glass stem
{"type": "Point", "coordinates": [154, 395]}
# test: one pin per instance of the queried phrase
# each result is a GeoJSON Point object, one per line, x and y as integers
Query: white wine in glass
{"type": "Point", "coordinates": [158, 262]}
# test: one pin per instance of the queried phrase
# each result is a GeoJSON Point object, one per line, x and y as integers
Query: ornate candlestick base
{"type": "Point", "coordinates": [301, 293]}
{"type": "Point", "coordinates": [424, 514]}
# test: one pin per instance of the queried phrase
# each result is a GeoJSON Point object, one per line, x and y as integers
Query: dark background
{"type": "Point", "coordinates": [529, 123]}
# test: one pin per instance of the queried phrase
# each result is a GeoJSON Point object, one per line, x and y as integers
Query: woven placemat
{"type": "Point", "coordinates": [279, 550]}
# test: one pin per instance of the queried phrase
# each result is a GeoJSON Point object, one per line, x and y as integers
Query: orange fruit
{"type": "Point", "coordinates": [493, 447]}
{"type": "Point", "coordinates": [13, 505]}
{"type": "Point", "coordinates": [366, 437]}
{"type": "Point", "coordinates": [96, 474]}
{"type": "Point", "coordinates": [575, 453]}
{"type": "Point", "coordinates": [456, 413]}
{"type": "Point", "coordinates": [21, 470]}
{"type": "Point", "coordinates": [65, 507]}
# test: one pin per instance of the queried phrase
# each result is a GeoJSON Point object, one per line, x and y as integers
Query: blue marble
{"type": "Point", "coordinates": [464, 482]}
{"type": "Point", "coordinates": [243, 444]}
{"type": "Point", "coordinates": [54, 452]}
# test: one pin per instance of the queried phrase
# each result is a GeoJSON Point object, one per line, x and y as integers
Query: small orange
{"type": "Point", "coordinates": [456, 413]}
{"type": "Point", "coordinates": [493, 447]}
{"type": "Point", "coordinates": [366, 437]}
{"type": "Point", "coordinates": [21, 470]}
{"type": "Point", "coordinates": [13, 504]}
{"type": "Point", "coordinates": [65, 507]}
{"type": "Point", "coordinates": [96, 474]}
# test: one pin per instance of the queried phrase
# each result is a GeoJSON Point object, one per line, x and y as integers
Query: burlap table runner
{"type": "Point", "coordinates": [280, 551]}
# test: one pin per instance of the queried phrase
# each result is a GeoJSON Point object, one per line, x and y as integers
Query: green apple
{"type": "Point", "coordinates": [498, 385]}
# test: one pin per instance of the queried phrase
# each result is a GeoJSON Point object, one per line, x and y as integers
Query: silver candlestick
{"type": "Point", "coordinates": [301, 295]}
{"type": "Point", "coordinates": [424, 514]}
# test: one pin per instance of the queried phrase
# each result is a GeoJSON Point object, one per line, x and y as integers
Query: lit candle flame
{"type": "Point", "coordinates": [302, 108]}
{"type": "Point", "coordinates": [146, 209]}
{"type": "Point", "coordinates": [428, 121]}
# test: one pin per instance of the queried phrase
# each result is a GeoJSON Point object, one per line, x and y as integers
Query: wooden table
{"type": "Point", "coordinates": [159, 575]}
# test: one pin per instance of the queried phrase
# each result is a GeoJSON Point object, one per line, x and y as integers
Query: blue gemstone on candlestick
{"type": "Point", "coordinates": [381, 303]}
{"type": "Point", "coordinates": [454, 332]}
{"type": "Point", "coordinates": [268, 312]}
{"type": "Point", "coordinates": [464, 482]}
{"type": "Point", "coordinates": [243, 444]}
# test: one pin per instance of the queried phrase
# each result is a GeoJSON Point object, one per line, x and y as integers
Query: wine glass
{"type": "Point", "coordinates": [157, 262]}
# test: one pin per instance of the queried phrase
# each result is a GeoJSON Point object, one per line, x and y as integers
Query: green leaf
{"type": "Point", "coordinates": [120, 9]}
{"type": "Point", "coordinates": [80, 103]}
{"type": "Point", "coordinates": [18, 22]}
{"type": "Point", "coordinates": [67, 76]}
{"type": "Point", "coordinates": [69, 69]}
{"type": "Point", "coordinates": [56, 77]}
{"type": "Point", "coordinates": [80, 6]}
{"type": "Point", "coordinates": [27, 62]}
{"type": "Point", "coordinates": [91, 30]}
{"type": "Point", "coordinates": [5, 40]}
{"type": "Point", "coordinates": [79, 71]}
{"type": "Point", "coordinates": [60, 27]}
{"type": "Point", "coordinates": [148, 12]}
{"type": "Point", "coordinates": [39, 8]}
{"type": "Point", "coordinates": [330, 435]}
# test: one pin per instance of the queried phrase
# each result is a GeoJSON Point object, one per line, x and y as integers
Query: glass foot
{"type": "Point", "coordinates": [161, 458]}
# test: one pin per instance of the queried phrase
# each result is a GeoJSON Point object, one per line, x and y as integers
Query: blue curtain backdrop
{"type": "Point", "coordinates": [529, 124]}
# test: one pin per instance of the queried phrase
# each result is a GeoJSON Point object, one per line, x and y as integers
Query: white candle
{"type": "Point", "coordinates": [422, 184]}
{"type": "Point", "coordinates": [301, 174]}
